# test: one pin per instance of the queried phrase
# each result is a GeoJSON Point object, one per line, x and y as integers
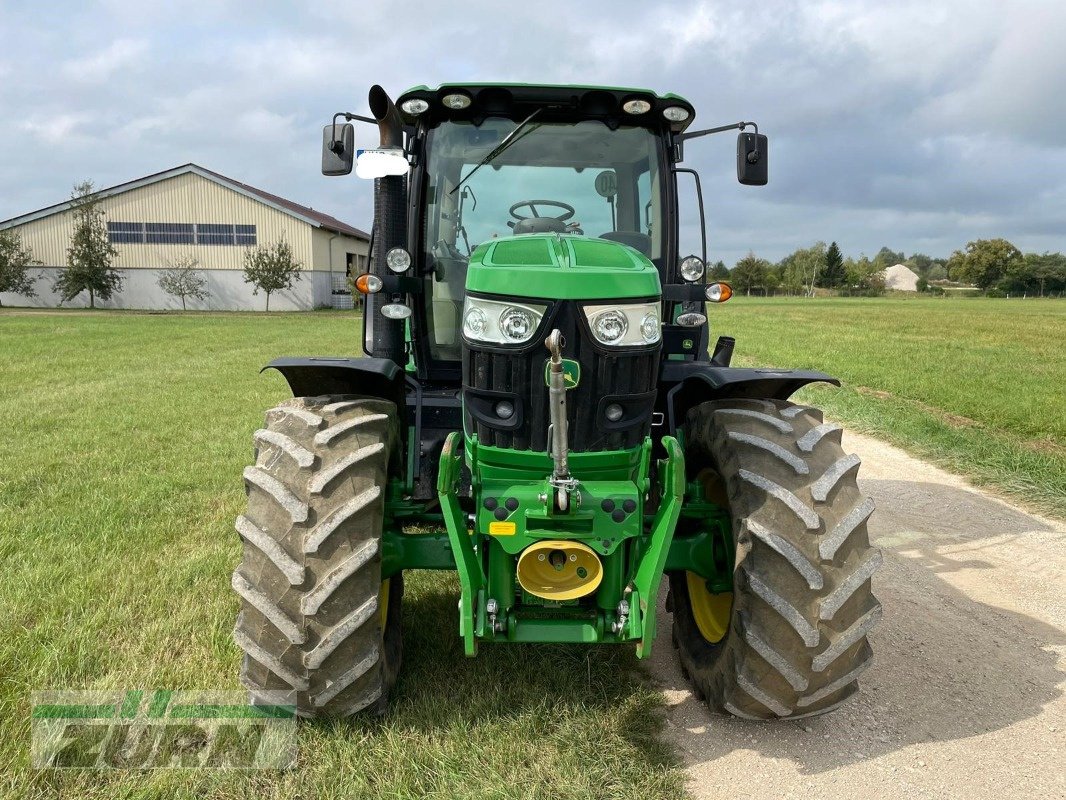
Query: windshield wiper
{"type": "Point", "coordinates": [498, 149]}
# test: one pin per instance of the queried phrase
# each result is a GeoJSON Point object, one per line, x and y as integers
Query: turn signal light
{"type": "Point", "coordinates": [718, 292]}
{"type": "Point", "coordinates": [368, 284]}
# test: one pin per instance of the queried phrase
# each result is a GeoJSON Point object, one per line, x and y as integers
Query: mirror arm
{"type": "Point", "coordinates": [736, 126]}
{"type": "Point", "coordinates": [336, 146]}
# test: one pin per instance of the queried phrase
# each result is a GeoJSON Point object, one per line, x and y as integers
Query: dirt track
{"type": "Point", "coordinates": [965, 697]}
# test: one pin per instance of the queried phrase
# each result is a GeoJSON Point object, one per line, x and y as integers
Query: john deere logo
{"type": "Point", "coordinates": [571, 373]}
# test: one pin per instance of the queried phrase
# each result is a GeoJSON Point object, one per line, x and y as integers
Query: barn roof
{"type": "Point", "coordinates": [300, 212]}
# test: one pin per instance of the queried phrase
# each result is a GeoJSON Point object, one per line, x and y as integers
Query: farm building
{"type": "Point", "coordinates": [189, 211]}
{"type": "Point", "coordinates": [900, 278]}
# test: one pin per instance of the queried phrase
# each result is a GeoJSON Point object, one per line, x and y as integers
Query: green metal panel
{"type": "Point", "coordinates": [650, 570]}
{"type": "Point", "coordinates": [562, 267]}
{"type": "Point", "coordinates": [471, 577]}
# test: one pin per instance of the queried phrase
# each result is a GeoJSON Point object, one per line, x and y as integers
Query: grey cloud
{"type": "Point", "coordinates": [916, 125]}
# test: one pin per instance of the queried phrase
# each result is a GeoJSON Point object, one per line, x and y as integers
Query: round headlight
{"type": "Point", "coordinates": [676, 113]}
{"type": "Point", "coordinates": [504, 409]}
{"type": "Point", "coordinates": [613, 412]}
{"type": "Point", "coordinates": [517, 324]}
{"type": "Point", "coordinates": [636, 106]}
{"type": "Point", "coordinates": [414, 106]}
{"type": "Point", "coordinates": [456, 101]}
{"type": "Point", "coordinates": [398, 259]}
{"type": "Point", "coordinates": [610, 326]}
{"type": "Point", "coordinates": [649, 327]}
{"type": "Point", "coordinates": [475, 322]}
{"type": "Point", "coordinates": [396, 311]}
{"type": "Point", "coordinates": [692, 269]}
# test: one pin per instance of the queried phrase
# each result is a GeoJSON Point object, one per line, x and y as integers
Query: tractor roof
{"type": "Point", "coordinates": [520, 99]}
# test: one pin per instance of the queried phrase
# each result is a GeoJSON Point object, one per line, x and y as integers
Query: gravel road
{"type": "Point", "coordinates": [965, 696]}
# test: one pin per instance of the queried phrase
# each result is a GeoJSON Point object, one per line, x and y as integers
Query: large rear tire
{"type": "Point", "coordinates": [315, 615]}
{"type": "Point", "coordinates": [791, 640]}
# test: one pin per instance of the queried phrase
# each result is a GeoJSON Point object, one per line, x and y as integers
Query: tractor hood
{"type": "Point", "coordinates": [561, 267]}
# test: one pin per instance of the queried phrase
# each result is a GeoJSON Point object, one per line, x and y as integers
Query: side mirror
{"type": "Point", "coordinates": [338, 149]}
{"type": "Point", "coordinates": [752, 157]}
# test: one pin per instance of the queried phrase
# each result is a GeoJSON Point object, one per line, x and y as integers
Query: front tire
{"type": "Point", "coordinates": [316, 616]}
{"type": "Point", "coordinates": [791, 640]}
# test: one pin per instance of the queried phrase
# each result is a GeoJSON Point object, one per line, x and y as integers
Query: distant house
{"type": "Point", "coordinates": [901, 278]}
{"type": "Point", "coordinates": [191, 211]}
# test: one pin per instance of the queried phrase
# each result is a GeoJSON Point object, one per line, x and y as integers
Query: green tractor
{"type": "Point", "coordinates": [539, 410]}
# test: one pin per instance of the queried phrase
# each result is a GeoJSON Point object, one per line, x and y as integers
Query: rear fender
{"type": "Point", "coordinates": [694, 382]}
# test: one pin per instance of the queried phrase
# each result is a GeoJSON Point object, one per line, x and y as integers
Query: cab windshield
{"type": "Point", "coordinates": [577, 178]}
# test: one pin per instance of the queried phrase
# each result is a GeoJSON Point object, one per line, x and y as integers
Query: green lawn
{"type": "Point", "coordinates": [124, 437]}
{"type": "Point", "coordinates": [976, 385]}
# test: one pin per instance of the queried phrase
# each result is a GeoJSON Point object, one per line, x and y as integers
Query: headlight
{"type": "Point", "coordinates": [676, 113]}
{"type": "Point", "coordinates": [619, 325]}
{"type": "Point", "coordinates": [518, 324]}
{"type": "Point", "coordinates": [500, 323]}
{"type": "Point", "coordinates": [610, 326]}
{"type": "Point", "coordinates": [414, 106]}
{"type": "Point", "coordinates": [692, 269]}
{"type": "Point", "coordinates": [398, 259]}
{"type": "Point", "coordinates": [457, 101]}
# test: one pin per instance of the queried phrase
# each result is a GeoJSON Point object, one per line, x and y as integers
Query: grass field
{"type": "Point", "coordinates": [124, 440]}
{"type": "Point", "coordinates": [976, 385]}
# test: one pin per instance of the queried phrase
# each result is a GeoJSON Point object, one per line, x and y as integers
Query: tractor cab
{"type": "Point", "coordinates": [493, 161]}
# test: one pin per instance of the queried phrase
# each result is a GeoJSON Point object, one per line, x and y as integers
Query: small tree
{"type": "Point", "coordinates": [90, 253]}
{"type": "Point", "coordinates": [271, 268]}
{"type": "Point", "coordinates": [718, 271]}
{"type": "Point", "coordinates": [184, 279]}
{"type": "Point", "coordinates": [15, 260]}
{"type": "Point", "coordinates": [750, 273]}
{"type": "Point", "coordinates": [833, 275]}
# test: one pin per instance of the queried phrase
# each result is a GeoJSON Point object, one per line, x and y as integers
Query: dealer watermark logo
{"type": "Point", "coordinates": [163, 729]}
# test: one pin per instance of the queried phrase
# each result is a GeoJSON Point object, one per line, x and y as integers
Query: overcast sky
{"type": "Point", "coordinates": [915, 125]}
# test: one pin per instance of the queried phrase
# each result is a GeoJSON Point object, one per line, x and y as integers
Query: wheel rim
{"type": "Point", "coordinates": [711, 611]}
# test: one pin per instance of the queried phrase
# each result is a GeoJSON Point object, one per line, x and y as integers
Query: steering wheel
{"type": "Point", "coordinates": [568, 210]}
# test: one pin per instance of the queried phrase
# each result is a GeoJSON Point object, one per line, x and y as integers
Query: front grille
{"type": "Point", "coordinates": [630, 376]}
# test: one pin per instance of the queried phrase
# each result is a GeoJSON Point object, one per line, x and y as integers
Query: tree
{"type": "Point", "coordinates": [750, 273]}
{"type": "Point", "coordinates": [1036, 273]}
{"type": "Point", "coordinates": [833, 275]}
{"type": "Point", "coordinates": [887, 257]}
{"type": "Point", "coordinates": [920, 263]}
{"type": "Point", "coordinates": [90, 253]}
{"type": "Point", "coordinates": [718, 271]}
{"type": "Point", "coordinates": [801, 269]}
{"type": "Point", "coordinates": [985, 262]}
{"type": "Point", "coordinates": [922, 284]}
{"type": "Point", "coordinates": [184, 279]}
{"type": "Point", "coordinates": [272, 268]}
{"type": "Point", "coordinates": [15, 260]}
{"type": "Point", "coordinates": [864, 277]}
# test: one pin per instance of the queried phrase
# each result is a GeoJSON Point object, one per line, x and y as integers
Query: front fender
{"type": "Point", "coordinates": [310, 376]}
{"type": "Point", "coordinates": [694, 382]}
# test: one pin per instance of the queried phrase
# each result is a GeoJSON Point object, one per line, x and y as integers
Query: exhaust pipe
{"type": "Point", "coordinates": [723, 351]}
{"type": "Point", "coordinates": [390, 229]}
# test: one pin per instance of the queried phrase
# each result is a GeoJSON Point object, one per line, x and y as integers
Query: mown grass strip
{"type": "Point", "coordinates": [973, 385]}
